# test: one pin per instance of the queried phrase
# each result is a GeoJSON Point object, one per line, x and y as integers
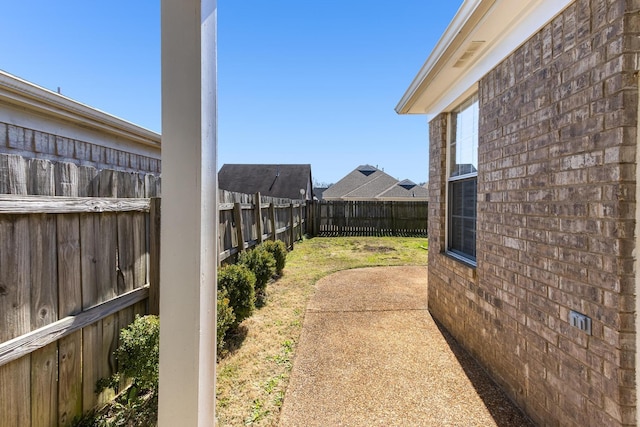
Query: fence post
{"type": "Point", "coordinates": [393, 219]}
{"type": "Point", "coordinates": [292, 224]}
{"type": "Point", "coordinates": [317, 213]}
{"type": "Point", "coordinates": [237, 218]}
{"type": "Point", "coordinates": [154, 255]}
{"type": "Point", "coordinates": [301, 212]}
{"type": "Point", "coordinates": [258, 214]}
{"type": "Point", "coordinates": [272, 219]}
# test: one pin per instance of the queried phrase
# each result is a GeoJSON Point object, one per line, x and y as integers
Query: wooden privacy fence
{"type": "Point", "coordinates": [73, 272]}
{"type": "Point", "coordinates": [247, 220]}
{"type": "Point", "coordinates": [76, 270]}
{"type": "Point", "coordinates": [370, 218]}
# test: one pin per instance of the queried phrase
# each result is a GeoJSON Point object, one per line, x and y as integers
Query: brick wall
{"type": "Point", "coordinates": [556, 217]}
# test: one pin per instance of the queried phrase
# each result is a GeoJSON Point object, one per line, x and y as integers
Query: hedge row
{"type": "Point", "coordinates": [242, 286]}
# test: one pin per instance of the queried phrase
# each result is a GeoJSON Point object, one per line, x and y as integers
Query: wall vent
{"type": "Point", "coordinates": [471, 50]}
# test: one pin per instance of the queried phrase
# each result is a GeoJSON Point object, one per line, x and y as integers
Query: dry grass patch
{"type": "Point", "coordinates": [253, 375]}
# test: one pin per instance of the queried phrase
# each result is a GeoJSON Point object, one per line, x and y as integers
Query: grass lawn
{"type": "Point", "coordinates": [252, 377]}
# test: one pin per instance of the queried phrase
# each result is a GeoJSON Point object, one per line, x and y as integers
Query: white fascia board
{"type": "Point", "coordinates": [33, 99]}
{"type": "Point", "coordinates": [503, 25]}
{"type": "Point", "coordinates": [446, 40]}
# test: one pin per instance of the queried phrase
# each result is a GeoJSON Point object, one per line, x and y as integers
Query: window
{"type": "Point", "coordinates": [463, 181]}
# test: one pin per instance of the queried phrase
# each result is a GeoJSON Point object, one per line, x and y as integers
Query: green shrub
{"type": "Point", "coordinates": [239, 283]}
{"type": "Point", "coordinates": [137, 356]}
{"type": "Point", "coordinates": [225, 319]}
{"type": "Point", "coordinates": [262, 264]}
{"type": "Point", "coordinates": [139, 352]}
{"type": "Point", "coordinates": [278, 249]}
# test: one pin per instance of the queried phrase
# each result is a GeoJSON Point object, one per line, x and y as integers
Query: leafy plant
{"type": "Point", "coordinates": [238, 281]}
{"type": "Point", "coordinates": [262, 263]}
{"type": "Point", "coordinates": [224, 320]}
{"type": "Point", "coordinates": [278, 249]}
{"type": "Point", "coordinates": [138, 358]}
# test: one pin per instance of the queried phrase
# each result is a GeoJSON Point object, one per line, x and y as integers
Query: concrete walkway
{"type": "Point", "coordinates": [371, 355]}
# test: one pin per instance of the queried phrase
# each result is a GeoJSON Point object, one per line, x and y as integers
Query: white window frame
{"type": "Point", "coordinates": [472, 261]}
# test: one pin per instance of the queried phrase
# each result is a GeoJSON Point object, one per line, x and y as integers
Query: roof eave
{"type": "Point", "coordinates": [26, 95]}
{"type": "Point", "coordinates": [494, 28]}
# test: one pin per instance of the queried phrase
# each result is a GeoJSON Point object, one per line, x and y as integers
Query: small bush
{"type": "Point", "coordinates": [263, 265]}
{"type": "Point", "coordinates": [225, 319]}
{"type": "Point", "coordinates": [278, 249]}
{"type": "Point", "coordinates": [239, 283]}
{"type": "Point", "coordinates": [139, 352]}
{"type": "Point", "coordinates": [138, 356]}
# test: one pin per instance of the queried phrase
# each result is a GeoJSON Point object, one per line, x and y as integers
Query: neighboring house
{"type": "Point", "coordinates": [318, 192]}
{"type": "Point", "coordinates": [370, 183]}
{"type": "Point", "coordinates": [533, 217]}
{"type": "Point", "coordinates": [75, 149]}
{"type": "Point", "coordinates": [284, 181]}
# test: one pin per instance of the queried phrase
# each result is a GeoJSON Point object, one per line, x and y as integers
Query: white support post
{"type": "Point", "coordinates": [189, 214]}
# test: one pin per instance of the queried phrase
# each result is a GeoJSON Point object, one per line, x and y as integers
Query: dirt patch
{"type": "Point", "coordinates": [377, 249]}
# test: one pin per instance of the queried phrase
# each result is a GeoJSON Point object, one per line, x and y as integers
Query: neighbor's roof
{"type": "Point", "coordinates": [482, 34]}
{"type": "Point", "coordinates": [364, 181]}
{"type": "Point", "coordinates": [270, 180]}
{"type": "Point", "coordinates": [405, 189]}
{"type": "Point", "coordinates": [368, 182]}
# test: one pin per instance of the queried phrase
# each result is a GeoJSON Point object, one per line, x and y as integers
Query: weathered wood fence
{"type": "Point", "coordinates": [251, 219]}
{"type": "Point", "coordinates": [73, 271]}
{"type": "Point", "coordinates": [370, 218]}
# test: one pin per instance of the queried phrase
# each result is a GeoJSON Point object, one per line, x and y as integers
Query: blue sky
{"type": "Point", "coordinates": [298, 81]}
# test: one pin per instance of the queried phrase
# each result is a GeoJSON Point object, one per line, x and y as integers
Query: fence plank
{"type": "Point", "coordinates": [41, 177]}
{"type": "Point", "coordinates": [87, 181]}
{"type": "Point", "coordinates": [69, 378]}
{"type": "Point", "coordinates": [91, 366]}
{"type": "Point", "coordinates": [15, 290]}
{"type": "Point", "coordinates": [66, 177]}
{"type": "Point", "coordinates": [15, 401]}
{"type": "Point", "coordinates": [258, 216]}
{"type": "Point", "coordinates": [44, 387]}
{"type": "Point", "coordinates": [272, 219]}
{"type": "Point", "coordinates": [69, 301]}
{"type": "Point", "coordinates": [13, 174]}
{"type": "Point", "coordinates": [126, 257]}
{"type": "Point", "coordinates": [44, 310]}
{"type": "Point", "coordinates": [237, 219]}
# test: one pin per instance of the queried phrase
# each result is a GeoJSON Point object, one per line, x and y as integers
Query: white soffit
{"type": "Point", "coordinates": [482, 34]}
{"type": "Point", "coordinates": [22, 94]}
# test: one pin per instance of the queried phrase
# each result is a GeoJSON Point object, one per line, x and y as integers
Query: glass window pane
{"type": "Point", "coordinates": [463, 147]}
{"type": "Point", "coordinates": [462, 219]}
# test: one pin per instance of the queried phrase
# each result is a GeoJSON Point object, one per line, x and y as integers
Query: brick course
{"type": "Point", "coordinates": [556, 218]}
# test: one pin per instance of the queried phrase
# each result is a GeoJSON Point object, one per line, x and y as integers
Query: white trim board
{"type": "Point", "coordinates": [480, 36]}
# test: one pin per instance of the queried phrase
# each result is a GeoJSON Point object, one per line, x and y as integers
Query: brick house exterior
{"type": "Point", "coordinates": [556, 228]}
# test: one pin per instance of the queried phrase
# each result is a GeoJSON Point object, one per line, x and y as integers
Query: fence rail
{"type": "Point", "coordinates": [73, 272]}
{"type": "Point", "coordinates": [248, 220]}
{"type": "Point", "coordinates": [370, 218]}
